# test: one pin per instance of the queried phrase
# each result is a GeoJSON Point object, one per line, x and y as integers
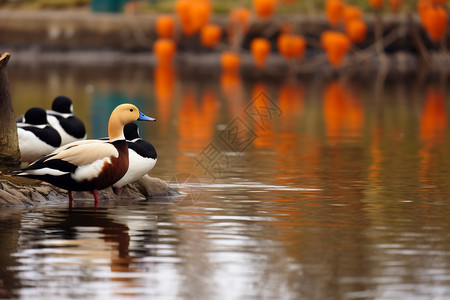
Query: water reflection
{"type": "Point", "coordinates": [343, 111]}
{"type": "Point", "coordinates": [433, 124]}
{"type": "Point", "coordinates": [342, 196]}
{"type": "Point", "coordinates": [291, 100]}
{"type": "Point", "coordinates": [433, 128]}
{"type": "Point", "coordinates": [233, 92]}
{"type": "Point", "coordinates": [196, 118]}
{"type": "Point", "coordinates": [78, 243]}
{"type": "Point", "coordinates": [164, 81]}
{"type": "Point", "coordinates": [9, 237]}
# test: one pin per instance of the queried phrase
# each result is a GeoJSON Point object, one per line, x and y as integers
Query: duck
{"type": "Point", "coordinates": [36, 137]}
{"type": "Point", "coordinates": [142, 157]}
{"type": "Point", "coordinates": [89, 165]}
{"type": "Point", "coordinates": [61, 117]}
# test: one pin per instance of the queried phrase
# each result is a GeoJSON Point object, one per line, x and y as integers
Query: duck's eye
{"type": "Point", "coordinates": [131, 109]}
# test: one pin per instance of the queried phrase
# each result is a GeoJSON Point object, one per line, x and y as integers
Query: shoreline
{"type": "Point", "coordinates": [83, 38]}
{"type": "Point", "coordinates": [20, 192]}
{"type": "Point", "coordinates": [365, 64]}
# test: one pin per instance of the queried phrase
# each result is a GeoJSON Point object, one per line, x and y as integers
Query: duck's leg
{"type": "Point", "coordinates": [117, 191]}
{"type": "Point", "coordinates": [95, 197]}
{"type": "Point", "coordinates": [70, 199]}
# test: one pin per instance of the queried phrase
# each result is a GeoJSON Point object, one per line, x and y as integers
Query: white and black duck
{"type": "Point", "coordinates": [36, 137]}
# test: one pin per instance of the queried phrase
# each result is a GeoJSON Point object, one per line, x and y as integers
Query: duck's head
{"type": "Point", "coordinates": [62, 104]}
{"type": "Point", "coordinates": [122, 115]}
{"type": "Point", "coordinates": [35, 116]}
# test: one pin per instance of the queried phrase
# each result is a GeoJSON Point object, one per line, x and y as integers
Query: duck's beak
{"type": "Point", "coordinates": [143, 117]}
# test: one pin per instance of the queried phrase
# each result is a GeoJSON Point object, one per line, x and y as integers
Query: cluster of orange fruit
{"type": "Point", "coordinates": [434, 18]}
{"type": "Point", "coordinates": [335, 43]}
{"type": "Point", "coordinates": [432, 14]}
{"type": "Point", "coordinates": [194, 17]}
{"type": "Point", "coordinates": [394, 5]}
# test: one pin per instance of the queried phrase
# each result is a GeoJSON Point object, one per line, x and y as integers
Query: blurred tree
{"type": "Point", "coordinates": [9, 145]}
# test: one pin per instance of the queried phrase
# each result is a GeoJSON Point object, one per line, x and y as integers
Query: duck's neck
{"type": "Point", "coordinates": [115, 130]}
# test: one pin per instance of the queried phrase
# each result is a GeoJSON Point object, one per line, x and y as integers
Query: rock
{"type": "Point", "coordinates": [8, 199]}
{"type": "Point", "coordinates": [37, 197]}
{"type": "Point", "coordinates": [33, 192]}
{"type": "Point", "coordinates": [43, 189]}
{"type": "Point", "coordinates": [14, 193]}
{"type": "Point", "coordinates": [151, 187]}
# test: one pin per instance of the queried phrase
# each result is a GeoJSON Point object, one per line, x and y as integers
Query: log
{"type": "Point", "coordinates": [9, 144]}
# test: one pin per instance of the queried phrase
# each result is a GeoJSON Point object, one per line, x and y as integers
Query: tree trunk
{"type": "Point", "coordinates": [9, 144]}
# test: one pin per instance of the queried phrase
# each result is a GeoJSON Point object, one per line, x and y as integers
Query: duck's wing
{"type": "Point", "coordinates": [70, 124]}
{"type": "Point", "coordinates": [143, 148]}
{"type": "Point", "coordinates": [78, 143]}
{"type": "Point", "coordinates": [84, 152]}
{"type": "Point", "coordinates": [44, 133]}
{"type": "Point", "coordinates": [84, 161]}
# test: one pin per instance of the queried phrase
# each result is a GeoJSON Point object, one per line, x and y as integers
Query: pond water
{"type": "Point", "coordinates": [300, 189]}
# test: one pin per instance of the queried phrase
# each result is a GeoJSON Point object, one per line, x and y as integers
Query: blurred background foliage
{"type": "Point", "coordinates": [219, 7]}
{"type": "Point", "coordinates": [42, 4]}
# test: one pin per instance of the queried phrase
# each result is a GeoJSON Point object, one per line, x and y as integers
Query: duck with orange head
{"type": "Point", "coordinates": [89, 165]}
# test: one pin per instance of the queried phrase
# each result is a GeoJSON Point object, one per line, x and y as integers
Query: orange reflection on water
{"type": "Point", "coordinates": [433, 127]}
{"type": "Point", "coordinates": [231, 87]}
{"type": "Point", "coordinates": [433, 121]}
{"type": "Point", "coordinates": [291, 101]}
{"type": "Point", "coordinates": [164, 80]}
{"type": "Point", "coordinates": [195, 126]}
{"type": "Point", "coordinates": [343, 111]}
{"type": "Point", "coordinates": [230, 82]}
{"type": "Point", "coordinates": [196, 119]}
{"type": "Point", "coordinates": [263, 125]}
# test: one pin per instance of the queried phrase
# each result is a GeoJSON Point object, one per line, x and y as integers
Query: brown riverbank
{"type": "Point", "coordinates": [82, 37]}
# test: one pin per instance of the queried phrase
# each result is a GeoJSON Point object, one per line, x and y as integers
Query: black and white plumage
{"type": "Point", "coordinates": [89, 165]}
{"type": "Point", "coordinates": [142, 156]}
{"type": "Point", "coordinates": [62, 118]}
{"type": "Point", "coordinates": [36, 137]}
